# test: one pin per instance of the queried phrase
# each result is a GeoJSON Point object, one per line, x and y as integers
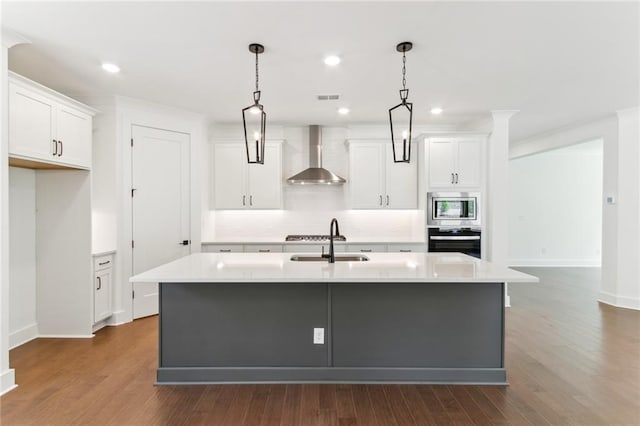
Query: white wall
{"type": "Point", "coordinates": [104, 199]}
{"type": "Point", "coordinates": [309, 209]}
{"type": "Point", "coordinates": [555, 216]}
{"type": "Point", "coordinates": [620, 133]}
{"type": "Point", "coordinates": [22, 262]}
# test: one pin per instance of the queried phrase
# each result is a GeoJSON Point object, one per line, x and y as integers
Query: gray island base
{"type": "Point", "coordinates": [374, 332]}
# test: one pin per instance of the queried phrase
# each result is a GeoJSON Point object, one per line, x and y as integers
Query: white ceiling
{"type": "Point", "coordinates": [559, 63]}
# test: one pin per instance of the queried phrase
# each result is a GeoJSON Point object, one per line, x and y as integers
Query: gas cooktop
{"type": "Point", "coordinates": [314, 238]}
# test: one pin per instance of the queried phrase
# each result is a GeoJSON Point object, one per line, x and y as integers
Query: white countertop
{"type": "Point", "coordinates": [382, 267]}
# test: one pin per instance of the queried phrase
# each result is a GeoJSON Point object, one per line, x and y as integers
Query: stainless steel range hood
{"type": "Point", "coordinates": [315, 174]}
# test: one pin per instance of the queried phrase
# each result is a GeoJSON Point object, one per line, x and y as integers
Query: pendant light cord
{"type": "Point", "coordinates": [404, 69]}
{"type": "Point", "coordinates": [257, 70]}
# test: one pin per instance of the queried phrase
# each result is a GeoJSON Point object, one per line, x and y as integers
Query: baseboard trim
{"type": "Point", "coordinates": [7, 381]}
{"type": "Point", "coordinates": [619, 301]}
{"type": "Point", "coordinates": [567, 263]}
{"type": "Point", "coordinates": [66, 336]}
{"type": "Point", "coordinates": [22, 336]}
{"type": "Point", "coordinates": [118, 318]}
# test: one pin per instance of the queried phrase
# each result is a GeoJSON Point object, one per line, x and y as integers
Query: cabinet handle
{"type": "Point", "coordinates": [365, 250]}
{"type": "Point", "coordinates": [60, 153]}
{"type": "Point", "coordinates": [99, 283]}
{"type": "Point", "coordinates": [452, 179]}
{"type": "Point", "coordinates": [250, 200]}
{"type": "Point", "coordinates": [381, 200]}
{"type": "Point", "coordinates": [55, 147]}
{"type": "Point", "coordinates": [225, 250]}
{"type": "Point", "coordinates": [104, 263]}
{"type": "Point", "coordinates": [387, 200]}
{"type": "Point", "coordinates": [456, 178]}
{"type": "Point", "coordinates": [405, 250]}
{"type": "Point", "coordinates": [264, 251]}
{"type": "Point", "coordinates": [244, 199]}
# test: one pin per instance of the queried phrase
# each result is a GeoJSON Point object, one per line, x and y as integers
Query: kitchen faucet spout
{"type": "Point", "coordinates": [332, 257]}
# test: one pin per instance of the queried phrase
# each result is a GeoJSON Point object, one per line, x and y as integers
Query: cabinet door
{"type": "Point", "coordinates": [366, 175]}
{"type": "Point", "coordinates": [229, 172]}
{"type": "Point", "coordinates": [469, 161]}
{"type": "Point", "coordinates": [442, 160]}
{"type": "Point", "coordinates": [31, 120]}
{"type": "Point", "coordinates": [401, 182]}
{"type": "Point", "coordinates": [265, 180]}
{"type": "Point", "coordinates": [74, 136]}
{"type": "Point", "coordinates": [102, 295]}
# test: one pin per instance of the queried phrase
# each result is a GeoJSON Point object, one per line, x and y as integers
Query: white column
{"type": "Point", "coordinates": [496, 229]}
{"type": "Point", "coordinates": [7, 375]}
{"type": "Point", "coordinates": [621, 233]}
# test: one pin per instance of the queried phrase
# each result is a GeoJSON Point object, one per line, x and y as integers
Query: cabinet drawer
{"type": "Point", "coordinates": [222, 248]}
{"type": "Point", "coordinates": [367, 248]}
{"type": "Point", "coordinates": [406, 248]}
{"type": "Point", "coordinates": [263, 248]}
{"type": "Point", "coordinates": [102, 262]}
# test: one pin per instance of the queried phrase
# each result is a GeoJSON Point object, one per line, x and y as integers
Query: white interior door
{"type": "Point", "coordinates": [160, 203]}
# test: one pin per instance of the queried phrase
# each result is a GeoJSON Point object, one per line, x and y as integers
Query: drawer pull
{"type": "Point", "coordinates": [264, 251]}
{"type": "Point", "coordinates": [365, 250]}
{"type": "Point", "coordinates": [225, 250]}
{"type": "Point", "coordinates": [405, 250]}
{"type": "Point", "coordinates": [104, 263]}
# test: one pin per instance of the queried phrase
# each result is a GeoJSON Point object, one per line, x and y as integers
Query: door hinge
{"type": "Point", "coordinates": [132, 244]}
{"type": "Point", "coordinates": [131, 141]}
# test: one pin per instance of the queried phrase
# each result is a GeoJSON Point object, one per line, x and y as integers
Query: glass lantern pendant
{"type": "Point", "coordinates": [254, 119]}
{"type": "Point", "coordinates": [401, 115]}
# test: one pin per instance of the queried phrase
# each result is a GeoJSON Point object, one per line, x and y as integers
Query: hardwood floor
{"type": "Point", "coordinates": [570, 360]}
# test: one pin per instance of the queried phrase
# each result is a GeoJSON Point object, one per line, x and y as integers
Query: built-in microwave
{"type": "Point", "coordinates": [453, 209]}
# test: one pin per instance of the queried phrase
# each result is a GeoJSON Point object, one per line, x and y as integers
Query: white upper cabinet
{"type": "Point", "coordinates": [47, 127]}
{"type": "Point", "coordinates": [455, 162]}
{"type": "Point", "coordinates": [239, 185]}
{"type": "Point", "coordinates": [376, 182]}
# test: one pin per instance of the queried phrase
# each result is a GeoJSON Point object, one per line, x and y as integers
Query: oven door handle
{"type": "Point", "coordinates": [455, 238]}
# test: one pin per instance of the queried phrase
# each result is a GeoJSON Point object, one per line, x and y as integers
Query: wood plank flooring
{"type": "Point", "coordinates": [569, 359]}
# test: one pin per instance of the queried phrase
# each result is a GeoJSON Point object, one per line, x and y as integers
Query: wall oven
{"type": "Point", "coordinates": [453, 209]}
{"type": "Point", "coordinates": [462, 240]}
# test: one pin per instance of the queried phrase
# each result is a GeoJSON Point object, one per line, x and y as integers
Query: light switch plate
{"type": "Point", "coordinates": [318, 336]}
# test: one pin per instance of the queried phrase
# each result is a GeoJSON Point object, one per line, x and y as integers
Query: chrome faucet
{"type": "Point", "coordinates": [332, 258]}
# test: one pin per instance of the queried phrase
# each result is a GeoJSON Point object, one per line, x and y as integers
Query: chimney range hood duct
{"type": "Point", "coordinates": [315, 174]}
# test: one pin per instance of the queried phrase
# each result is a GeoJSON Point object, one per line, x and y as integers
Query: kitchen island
{"type": "Point", "coordinates": [397, 317]}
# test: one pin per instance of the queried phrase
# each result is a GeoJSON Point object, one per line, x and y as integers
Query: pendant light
{"type": "Point", "coordinates": [400, 116]}
{"type": "Point", "coordinates": [254, 119]}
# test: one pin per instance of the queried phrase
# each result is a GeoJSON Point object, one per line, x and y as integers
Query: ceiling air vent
{"type": "Point", "coordinates": [330, 97]}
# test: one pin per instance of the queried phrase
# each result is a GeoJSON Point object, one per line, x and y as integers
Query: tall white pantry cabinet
{"type": "Point", "coordinates": [51, 134]}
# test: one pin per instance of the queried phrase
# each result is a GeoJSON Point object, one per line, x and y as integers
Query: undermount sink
{"type": "Point", "coordinates": [302, 258]}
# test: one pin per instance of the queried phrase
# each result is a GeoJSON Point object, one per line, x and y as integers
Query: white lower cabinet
{"type": "Point", "coordinates": [406, 248]}
{"type": "Point", "coordinates": [102, 287]}
{"type": "Point", "coordinates": [263, 248]}
{"type": "Point", "coordinates": [367, 248]}
{"type": "Point", "coordinates": [222, 248]}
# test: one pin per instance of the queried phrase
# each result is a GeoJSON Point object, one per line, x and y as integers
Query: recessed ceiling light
{"type": "Point", "coordinates": [343, 111]}
{"type": "Point", "coordinates": [332, 60]}
{"type": "Point", "coordinates": [112, 68]}
{"type": "Point", "coordinates": [436, 111]}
